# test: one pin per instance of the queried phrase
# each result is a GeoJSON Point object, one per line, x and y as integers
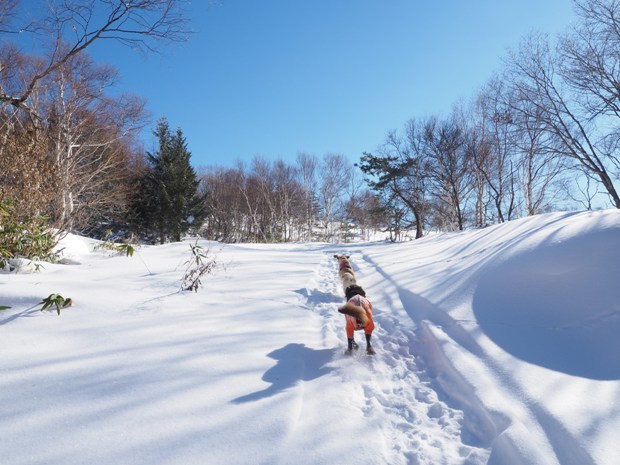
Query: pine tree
{"type": "Point", "coordinates": [169, 203]}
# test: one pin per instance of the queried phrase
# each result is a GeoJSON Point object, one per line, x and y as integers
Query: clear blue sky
{"type": "Point", "coordinates": [276, 77]}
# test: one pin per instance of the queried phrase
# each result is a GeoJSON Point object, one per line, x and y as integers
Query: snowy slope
{"type": "Point", "coordinates": [495, 346]}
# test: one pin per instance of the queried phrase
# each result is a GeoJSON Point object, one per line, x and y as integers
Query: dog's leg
{"type": "Point", "coordinates": [369, 348]}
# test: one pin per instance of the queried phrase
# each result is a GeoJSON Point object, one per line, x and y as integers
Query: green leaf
{"type": "Point", "coordinates": [127, 249]}
{"type": "Point", "coordinates": [57, 300]}
{"type": "Point", "coordinates": [4, 307]}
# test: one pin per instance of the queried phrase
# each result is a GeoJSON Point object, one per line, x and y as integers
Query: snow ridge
{"type": "Point", "coordinates": [435, 330]}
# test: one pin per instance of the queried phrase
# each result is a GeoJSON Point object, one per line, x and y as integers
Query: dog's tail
{"type": "Point", "coordinates": [353, 310]}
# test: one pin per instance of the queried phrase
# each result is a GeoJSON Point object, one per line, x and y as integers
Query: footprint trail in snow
{"type": "Point", "coordinates": [395, 391]}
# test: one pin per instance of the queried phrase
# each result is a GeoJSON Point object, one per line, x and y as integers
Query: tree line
{"type": "Point", "coordinates": [316, 198]}
{"type": "Point", "coordinates": [543, 132]}
{"type": "Point", "coordinates": [539, 134]}
{"type": "Point", "coordinates": [69, 150]}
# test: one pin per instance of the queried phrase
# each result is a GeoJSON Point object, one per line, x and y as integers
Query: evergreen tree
{"type": "Point", "coordinates": [169, 203]}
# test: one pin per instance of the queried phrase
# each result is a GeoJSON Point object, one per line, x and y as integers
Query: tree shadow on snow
{"type": "Point", "coordinates": [296, 362]}
{"type": "Point", "coordinates": [558, 307]}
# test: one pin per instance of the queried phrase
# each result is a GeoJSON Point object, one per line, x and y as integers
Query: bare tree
{"type": "Point", "coordinates": [289, 198]}
{"type": "Point", "coordinates": [536, 81]}
{"type": "Point", "coordinates": [90, 136]}
{"type": "Point", "coordinates": [307, 166]}
{"type": "Point", "coordinates": [450, 168]}
{"type": "Point", "coordinates": [7, 13]}
{"type": "Point", "coordinates": [264, 182]}
{"type": "Point", "coordinates": [227, 210]}
{"type": "Point", "coordinates": [590, 56]}
{"type": "Point", "coordinates": [252, 190]}
{"type": "Point", "coordinates": [495, 162]}
{"type": "Point", "coordinates": [589, 63]}
{"type": "Point", "coordinates": [539, 163]}
{"type": "Point", "coordinates": [588, 189]}
{"type": "Point", "coordinates": [334, 177]}
{"type": "Point", "coordinates": [64, 29]}
{"type": "Point", "coordinates": [477, 146]}
{"type": "Point", "coordinates": [366, 213]}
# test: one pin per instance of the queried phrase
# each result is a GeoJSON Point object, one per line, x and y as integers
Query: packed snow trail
{"type": "Point", "coordinates": [478, 425]}
{"type": "Point", "coordinates": [417, 426]}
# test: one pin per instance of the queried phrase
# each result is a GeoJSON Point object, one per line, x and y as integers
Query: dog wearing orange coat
{"type": "Point", "coordinates": [358, 316]}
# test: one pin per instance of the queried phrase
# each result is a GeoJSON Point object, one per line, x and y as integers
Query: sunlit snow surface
{"type": "Point", "coordinates": [495, 346]}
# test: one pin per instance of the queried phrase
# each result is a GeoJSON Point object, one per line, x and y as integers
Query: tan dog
{"type": "Point", "coordinates": [345, 271]}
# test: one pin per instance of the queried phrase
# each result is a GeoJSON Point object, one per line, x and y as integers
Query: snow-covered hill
{"type": "Point", "coordinates": [495, 346]}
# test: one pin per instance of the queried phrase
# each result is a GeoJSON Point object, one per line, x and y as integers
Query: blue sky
{"type": "Point", "coordinates": [278, 77]}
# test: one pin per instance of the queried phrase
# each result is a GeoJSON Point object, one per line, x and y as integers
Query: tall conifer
{"type": "Point", "coordinates": [169, 203]}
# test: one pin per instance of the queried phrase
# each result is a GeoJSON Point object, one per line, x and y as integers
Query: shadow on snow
{"type": "Point", "coordinates": [296, 362]}
{"type": "Point", "coordinates": [558, 307]}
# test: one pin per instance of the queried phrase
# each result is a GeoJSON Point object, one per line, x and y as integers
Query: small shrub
{"type": "Point", "coordinates": [109, 244]}
{"type": "Point", "coordinates": [30, 238]}
{"type": "Point", "coordinates": [4, 307]}
{"type": "Point", "coordinates": [55, 300]}
{"type": "Point", "coordinates": [199, 265]}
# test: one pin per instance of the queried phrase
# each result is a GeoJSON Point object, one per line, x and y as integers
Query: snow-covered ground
{"type": "Point", "coordinates": [495, 346]}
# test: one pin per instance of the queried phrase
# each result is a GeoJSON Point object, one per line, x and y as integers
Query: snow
{"type": "Point", "coordinates": [495, 346]}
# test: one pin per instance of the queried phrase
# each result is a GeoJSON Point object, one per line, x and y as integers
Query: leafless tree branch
{"type": "Point", "coordinates": [71, 26]}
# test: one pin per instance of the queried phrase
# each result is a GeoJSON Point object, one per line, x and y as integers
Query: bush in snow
{"type": "Point", "coordinates": [29, 238]}
{"type": "Point", "coordinates": [109, 244]}
{"type": "Point", "coordinates": [198, 265]}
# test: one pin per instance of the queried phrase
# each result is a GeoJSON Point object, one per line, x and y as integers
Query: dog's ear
{"type": "Point", "coordinates": [336, 257]}
{"type": "Point", "coordinates": [347, 256]}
